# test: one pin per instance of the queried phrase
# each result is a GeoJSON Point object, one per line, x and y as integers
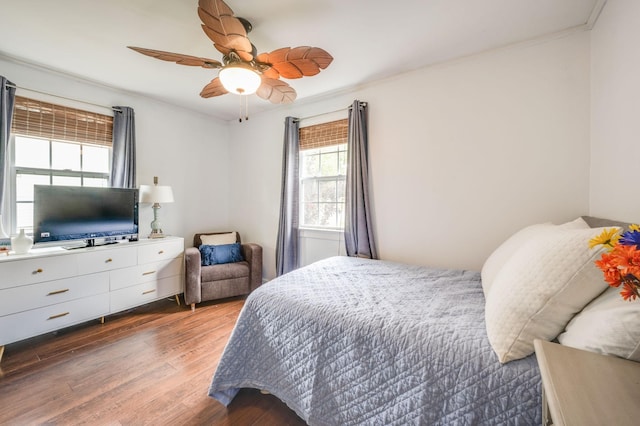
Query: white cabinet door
{"type": "Point", "coordinates": [37, 321]}
{"type": "Point", "coordinates": [144, 293]}
{"type": "Point", "coordinates": [126, 277]}
{"type": "Point", "coordinates": [107, 260]}
{"type": "Point", "coordinates": [33, 296]}
{"type": "Point", "coordinates": [23, 270]}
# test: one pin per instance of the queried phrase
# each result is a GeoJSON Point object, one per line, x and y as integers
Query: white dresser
{"type": "Point", "coordinates": [51, 288]}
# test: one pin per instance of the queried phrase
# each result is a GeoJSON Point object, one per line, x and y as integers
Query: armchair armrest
{"type": "Point", "coordinates": [253, 255]}
{"type": "Point", "coordinates": [193, 266]}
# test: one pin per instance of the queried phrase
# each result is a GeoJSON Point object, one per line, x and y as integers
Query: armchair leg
{"type": "Point", "coordinates": [193, 307]}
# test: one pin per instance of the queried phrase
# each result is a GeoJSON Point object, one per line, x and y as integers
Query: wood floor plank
{"type": "Point", "coordinates": [150, 365]}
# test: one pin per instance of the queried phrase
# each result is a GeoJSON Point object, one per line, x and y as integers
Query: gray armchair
{"type": "Point", "coordinates": [212, 282]}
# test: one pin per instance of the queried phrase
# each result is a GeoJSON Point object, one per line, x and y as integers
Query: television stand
{"type": "Point", "coordinates": [49, 288]}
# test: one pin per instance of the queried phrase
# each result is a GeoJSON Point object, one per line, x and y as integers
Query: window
{"type": "Point", "coordinates": [323, 170]}
{"type": "Point", "coordinates": [55, 145]}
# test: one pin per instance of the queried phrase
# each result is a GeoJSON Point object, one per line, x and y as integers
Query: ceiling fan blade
{"type": "Point", "coordinates": [225, 30]}
{"type": "Point", "coordinates": [276, 91]}
{"type": "Point", "coordinates": [271, 72]}
{"type": "Point", "coordinates": [214, 88]}
{"type": "Point", "coordinates": [178, 58]}
{"type": "Point", "coordinates": [297, 62]}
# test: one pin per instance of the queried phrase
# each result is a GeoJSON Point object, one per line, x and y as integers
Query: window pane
{"type": "Point", "coordinates": [67, 180]}
{"type": "Point", "coordinates": [65, 156]}
{"type": "Point", "coordinates": [24, 217]}
{"type": "Point", "coordinates": [329, 164]}
{"type": "Point", "coordinates": [330, 148]}
{"type": "Point", "coordinates": [322, 199]}
{"type": "Point", "coordinates": [342, 163]}
{"type": "Point", "coordinates": [95, 182]}
{"type": "Point", "coordinates": [310, 216]}
{"type": "Point", "coordinates": [310, 165]}
{"type": "Point", "coordinates": [328, 214]}
{"type": "Point", "coordinates": [341, 187]}
{"type": "Point", "coordinates": [95, 159]}
{"type": "Point", "coordinates": [327, 191]}
{"type": "Point", "coordinates": [24, 185]}
{"type": "Point", "coordinates": [32, 152]}
{"type": "Point", "coordinates": [310, 190]}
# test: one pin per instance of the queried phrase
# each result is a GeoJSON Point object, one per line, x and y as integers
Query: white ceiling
{"type": "Point", "coordinates": [369, 39]}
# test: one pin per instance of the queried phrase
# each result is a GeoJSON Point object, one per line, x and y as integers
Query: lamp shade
{"type": "Point", "coordinates": [239, 79]}
{"type": "Point", "coordinates": [156, 194]}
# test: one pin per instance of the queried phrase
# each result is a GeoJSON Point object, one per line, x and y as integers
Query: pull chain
{"type": "Point", "coordinates": [246, 108]}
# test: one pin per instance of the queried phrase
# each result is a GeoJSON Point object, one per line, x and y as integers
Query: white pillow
{"type": "Point", "coordinates": [608, 325]}
{"type": "Point", "coordinates": [501, 255]}
{"type": "Point", "coordinates": [218, 239]}
{"type": "Point", "coordinates": [540, 288]}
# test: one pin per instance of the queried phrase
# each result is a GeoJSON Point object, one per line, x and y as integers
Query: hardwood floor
{"type": "Point", "coordinates": [150, 365]}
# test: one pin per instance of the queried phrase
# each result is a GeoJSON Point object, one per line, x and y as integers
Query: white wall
{"type": "Point", "coordinates": [186, 150]}
{"type": "Point", "coordinates": [615, 112]}
{"type": "Point", "coordinates": [462, 154]}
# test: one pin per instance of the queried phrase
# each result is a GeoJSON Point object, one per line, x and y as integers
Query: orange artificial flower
{"type": "Point", "coordinates": [629, 291]}
{"type": "Point", "coordinates": [625, 257]}
{"type": "Point", "coordinates": [610, 269]}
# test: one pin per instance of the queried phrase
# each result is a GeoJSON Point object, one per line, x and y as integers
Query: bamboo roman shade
{"type": "Point", "coordinates": [45, 120]}
{"type": "Point", "coordinates": [325, 134]}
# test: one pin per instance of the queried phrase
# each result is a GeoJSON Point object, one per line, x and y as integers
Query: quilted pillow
{"type": "Point", "coordinates": [503, 253]}
{"type": "Point", "coordinates": [218, 254]}
{"type": "Point", "coordinates": [608, 325]}
{"type": "Point", "coordinates": [540, 288]}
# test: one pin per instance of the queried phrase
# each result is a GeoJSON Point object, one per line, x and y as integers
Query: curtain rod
{"type": "Point", "coordinates": [323, 113]}
{"type": "Point", "coordinates": [62, 97]}
{"type": "Point", "coordinates": [330, 112]}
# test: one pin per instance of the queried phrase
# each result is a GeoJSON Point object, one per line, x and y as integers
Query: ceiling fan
{"type": "Point", "coordinates": [242, 70]}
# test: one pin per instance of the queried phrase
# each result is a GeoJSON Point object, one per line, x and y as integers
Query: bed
{"type": "Point", "coordinates": [349, 341]}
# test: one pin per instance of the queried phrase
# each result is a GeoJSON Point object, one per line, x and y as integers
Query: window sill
{"type": "Point", "coordinates": [312, 229]}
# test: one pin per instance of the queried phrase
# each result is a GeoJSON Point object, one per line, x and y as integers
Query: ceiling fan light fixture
{"type": "Point", "coordinates": [240, 79]}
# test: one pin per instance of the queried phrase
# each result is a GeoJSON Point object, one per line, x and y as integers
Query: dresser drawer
{"type": "Point", "coordinates": [31, 323]}
{"type": "Point", "coordinates": [33, 296]}
{"type": "Point", "coordinates": [166, 249]}
{"type": "Point", "coordinates": [127, 277]}
{"type": "Point", "coordinates": [106, 260]}
{"type": "Point", "coordinates": [145, 293]}
{"type": "Point", "coordinates": [29, 271]}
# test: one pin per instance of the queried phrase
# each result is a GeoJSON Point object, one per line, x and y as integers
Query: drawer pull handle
{"type": "Point", "coordinates": [38, 271]}
{"type": "Point", "coordinates": [148, 272]}
{"type": "Point", "coordinates": [149, 291]}
{"type": "Point", "coordinates": [51, 293]}
{"type": "Point", "coordinates": [161, 252]}
{"type": "Point", "coordinates": [108, 260]}
{"type": "Point", "coordinates": [59, 315]}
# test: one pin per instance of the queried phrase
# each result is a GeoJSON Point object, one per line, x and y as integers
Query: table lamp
{"type": "Point", "coordinates": [156, 194]}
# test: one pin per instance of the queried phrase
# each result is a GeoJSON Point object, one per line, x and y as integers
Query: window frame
{"type": "Point", "coordinates": [318, 179]}
{"type": "Point", "coordinates": [50, 172]}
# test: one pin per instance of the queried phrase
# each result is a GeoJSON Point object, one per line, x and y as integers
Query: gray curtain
{"type": "Point", "coordinates": [123, 165]}
{"type": "Point", "coordinates": [7, 100]}
{"type": "Point", "coordinates": [358, 229]}
{"type": "Point", "coordinates": [287, 244]}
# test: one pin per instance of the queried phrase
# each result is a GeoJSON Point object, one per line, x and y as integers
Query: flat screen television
{"type": "Point", "coordinates": [68, 213]}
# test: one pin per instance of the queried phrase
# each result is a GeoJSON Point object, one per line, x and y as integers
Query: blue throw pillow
{"type": "Point", "coordinates": [225, 253]}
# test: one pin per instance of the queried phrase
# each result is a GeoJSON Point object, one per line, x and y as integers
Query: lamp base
{"type": "Point", "coordinates": [156, 233]}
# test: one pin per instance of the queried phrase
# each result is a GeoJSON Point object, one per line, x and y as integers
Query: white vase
{"type": "Point", "coordinates": [21, 243]}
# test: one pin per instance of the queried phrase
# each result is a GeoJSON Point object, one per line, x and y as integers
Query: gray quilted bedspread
{"type": "Point", "coordinates": [349, 341]}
